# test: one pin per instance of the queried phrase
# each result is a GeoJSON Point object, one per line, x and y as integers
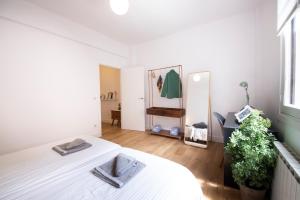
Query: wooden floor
{"type": "Point", "coordinates": [203, 163]}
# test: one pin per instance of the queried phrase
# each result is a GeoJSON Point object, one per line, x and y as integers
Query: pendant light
{"type": "Point", "coordinates": [119, 7]}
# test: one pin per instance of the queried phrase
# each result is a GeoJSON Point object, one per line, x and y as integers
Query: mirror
{"type": "Point", "coordinates": [197, 109]}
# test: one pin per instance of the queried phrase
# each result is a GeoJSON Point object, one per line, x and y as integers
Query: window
{"type": "Point", "coordinates": [291, 67]}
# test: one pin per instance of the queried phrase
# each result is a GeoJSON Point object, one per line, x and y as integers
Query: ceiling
{"type": "Point", "coordinates": [146, 19]}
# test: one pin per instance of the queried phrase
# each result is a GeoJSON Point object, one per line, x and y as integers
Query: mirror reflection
{"type": "Point", "coordinates": [197, 109]}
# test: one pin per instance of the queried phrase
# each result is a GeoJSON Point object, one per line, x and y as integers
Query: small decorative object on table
{"type": "Point", "coordinates": [175, 131]}
{"type": "Point", "coordinates": [243, 114]}
{"type": "Point", "coordinates": [156, 128]}
{"type": "Point", "coordinates": [102, 97]}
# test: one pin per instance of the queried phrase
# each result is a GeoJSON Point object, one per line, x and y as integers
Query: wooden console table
{"type": "Point", "coordinates": [116, 115]}
{"type": "Point", "coordinates": [167, 112]}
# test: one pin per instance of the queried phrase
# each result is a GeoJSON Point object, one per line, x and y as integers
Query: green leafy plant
{"type": "Point", "coordinates": [253, 152]}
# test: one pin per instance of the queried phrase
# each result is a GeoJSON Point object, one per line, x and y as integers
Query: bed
{"type": "Point", "coordinates": [41, 173]}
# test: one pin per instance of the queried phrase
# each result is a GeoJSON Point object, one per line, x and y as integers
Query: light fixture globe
{"type": "Point", "coordinates": [119, 7]}
{"type": "Point", "coordinates": [196, 77]}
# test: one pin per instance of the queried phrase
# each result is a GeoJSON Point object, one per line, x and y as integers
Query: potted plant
{"type": "Point", "coordinates": [253, 156]}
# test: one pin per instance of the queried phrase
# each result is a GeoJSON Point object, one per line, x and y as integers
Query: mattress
{"type": "Point", "coordinates": [161, 179]}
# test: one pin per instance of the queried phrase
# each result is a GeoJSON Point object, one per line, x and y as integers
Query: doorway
{"type": "Point", "coordinates": [110, 96]}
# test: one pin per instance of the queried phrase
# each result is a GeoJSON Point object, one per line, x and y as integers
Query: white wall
{"type": "Point", "coordinates": [49, 78]}
{"type": "Point", "coordinates": [226, 48]}
{"type": "Point", "coordinates": [267, 59]}
{"type": "Point", "coordinates": [268, 74]}
{"type": "Point", "coordinates": [29, 14]}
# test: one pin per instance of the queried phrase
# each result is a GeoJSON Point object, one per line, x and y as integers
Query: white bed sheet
{"type": "Point", "coordinates": [30, 167]}
{"type": "Point", "coordinates": [161, 179]}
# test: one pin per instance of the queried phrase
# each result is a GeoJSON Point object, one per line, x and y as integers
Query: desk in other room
{"type": "Point", "coordinates": [116, 115]}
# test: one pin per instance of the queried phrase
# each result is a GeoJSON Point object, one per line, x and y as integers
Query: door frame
{"type": "Point", "coordinates": [99, 84]}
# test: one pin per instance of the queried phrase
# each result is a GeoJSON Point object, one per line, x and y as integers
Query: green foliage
{"type": "Point", "coordinates": [253, 152]}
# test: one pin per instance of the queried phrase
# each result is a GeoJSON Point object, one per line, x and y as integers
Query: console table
{"type": "Point", "coordinates": [116, 115]}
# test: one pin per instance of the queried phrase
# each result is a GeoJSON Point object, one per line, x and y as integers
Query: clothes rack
{"type": "Point", "coordinates": [154, 110]}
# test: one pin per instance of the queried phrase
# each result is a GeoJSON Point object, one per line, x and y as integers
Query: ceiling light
{"type": "Point", "coordinates": [120, 7]}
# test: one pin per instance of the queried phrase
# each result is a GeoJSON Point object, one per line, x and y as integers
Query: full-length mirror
{"type": "Point", "coordinates": [197, 109]}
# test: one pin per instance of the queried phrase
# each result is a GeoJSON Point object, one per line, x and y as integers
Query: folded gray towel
{"type": "Point", "coordinates": [122, 164]}
{"type": "Point", "coordinates": [106, 172]}
{"type": "Point", "coordinates": [71, 147]}
{"type": "Point", "coordinates": [74, 143]}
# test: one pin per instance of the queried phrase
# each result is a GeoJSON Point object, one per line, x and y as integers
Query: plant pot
{"type": "Point", "coordinates": [252, 194]}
